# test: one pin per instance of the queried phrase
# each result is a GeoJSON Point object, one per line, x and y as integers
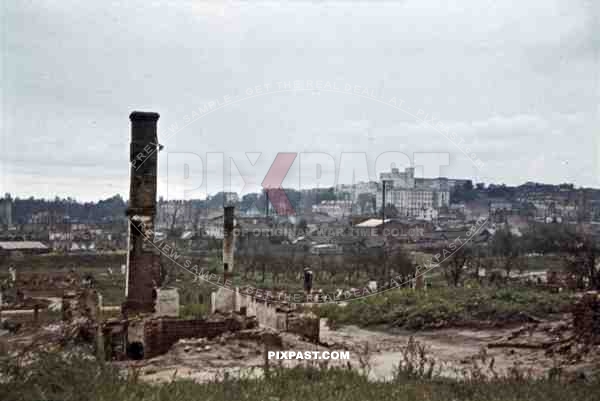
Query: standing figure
{"type": "Point", "coordinates": [308, 277]}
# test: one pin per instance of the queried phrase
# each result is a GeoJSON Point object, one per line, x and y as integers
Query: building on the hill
{"type": "Point", "coordinates": [411, 196]}
{"type": "Point", "coordinates": [6, 205]}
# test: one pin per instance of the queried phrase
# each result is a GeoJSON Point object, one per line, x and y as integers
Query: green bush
{"type": "Point", "coordinates": [445, 307]}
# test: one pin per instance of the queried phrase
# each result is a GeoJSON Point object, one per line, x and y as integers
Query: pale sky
{"type": "Point", "coordinates": [517, 81]}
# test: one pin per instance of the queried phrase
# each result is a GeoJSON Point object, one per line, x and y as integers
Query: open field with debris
{"type": "Point", "coordinates": [534, 347]}
{"type": "Point", "coordinates": [530, 350]}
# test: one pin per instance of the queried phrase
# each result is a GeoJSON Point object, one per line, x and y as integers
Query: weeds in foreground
{"type": "Point", "coordinates": [75, 376]}
{"type": "Point", "coordinates": [415, 363]}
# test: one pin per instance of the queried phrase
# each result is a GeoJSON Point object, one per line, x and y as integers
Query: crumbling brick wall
{"type": "Point", "coordinates": [161, 334]}
{"type": "Point", "coordinates": [307, 326]}
{"type": "Point", "coordinates": [586, 319]}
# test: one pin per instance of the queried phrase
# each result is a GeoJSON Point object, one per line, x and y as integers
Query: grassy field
{"type": "Point", "coordinates": [76, 378]}
{"type": "Point", "coordinates": [447, 307]}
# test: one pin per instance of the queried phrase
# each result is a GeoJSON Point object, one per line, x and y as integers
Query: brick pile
{"type": "Point", "coordinates": [586, 319]}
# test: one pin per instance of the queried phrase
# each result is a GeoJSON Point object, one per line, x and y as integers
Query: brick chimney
{"type": "Point", "coordinates": [143, 259]}
{"type": "Point", "coordinates": [228, 234]}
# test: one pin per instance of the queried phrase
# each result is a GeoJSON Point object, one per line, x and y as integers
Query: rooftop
{"type": "Point", "coordinates": [16, 245]}
{"type": "Point", "coordinates": [372, 223]}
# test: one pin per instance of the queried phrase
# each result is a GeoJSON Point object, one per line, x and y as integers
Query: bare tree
{"type": "Point", "coordinates": [453, 267]}
{"type": "Point", "coordinates": [583, 252]}
{"type": "Point", "coordinates": [171, 214]}
{"type": "Point", "coordinates": [507, 248]}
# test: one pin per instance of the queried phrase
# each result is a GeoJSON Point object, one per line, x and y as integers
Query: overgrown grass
{"type": "Point", "coordinates": [71, 378]}
{"type": "Point", "coordinates": [446, 307]}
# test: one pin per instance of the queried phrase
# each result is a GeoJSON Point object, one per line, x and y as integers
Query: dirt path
{"type": "Point", "coordinates": [453, 350]}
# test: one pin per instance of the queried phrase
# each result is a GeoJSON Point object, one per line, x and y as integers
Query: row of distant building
{"type": "Point", "coordinates": [427, 199]}
{"type": "Point", "coordinates": [420, 198]}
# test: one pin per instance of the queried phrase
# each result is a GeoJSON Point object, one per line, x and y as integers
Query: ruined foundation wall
{"type": "Point", "coordinates": [248, 303]}
{"type": "Point", "coordinates": [230, 301]}
{"type": "Point", "coordinates": [222, 301]}
{"type": "Point", "coordinates": [305, 326]}
{"type": "Point", "coordinates": [267, 314]}
{"type": "Point", "coordinates": [161, 334]}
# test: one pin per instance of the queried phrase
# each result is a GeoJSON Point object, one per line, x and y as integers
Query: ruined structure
{"type": "Point", "coordinates": [82, 304]}
{"type": "Point", "coordinates": [150, 322]}
{"type": "Point", "coordinates": [586, 318]}
{"type": "Point", "coordinates": [228, 235]}
{"type": "Point", "coordinates": [229, 300]}
{"type": "Point", "coordinates": [143, 260]}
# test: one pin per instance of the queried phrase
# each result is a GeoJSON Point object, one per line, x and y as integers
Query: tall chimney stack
{"type": "Point", "coordinates": [228, 237]}
{"type": "Point", "coordinates": [143, 260]}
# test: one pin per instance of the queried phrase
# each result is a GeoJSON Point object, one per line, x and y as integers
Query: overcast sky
{"type": "Point", "coordinates": [517, 81]}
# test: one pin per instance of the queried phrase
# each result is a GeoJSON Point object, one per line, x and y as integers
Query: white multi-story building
{"type": "Point", "coordinates": [428, 214]}
{"type": "Point", "coordinates": [411, 202]}
{"type": "Point", "coordinates": [413, 197]}
{"type": "Point", "coordinates": [399, 179]}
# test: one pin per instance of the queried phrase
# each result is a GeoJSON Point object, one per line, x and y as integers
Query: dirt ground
{"type": "Point", "coordinates": [456, 353]}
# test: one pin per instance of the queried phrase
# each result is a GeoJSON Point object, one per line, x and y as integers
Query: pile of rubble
{"type": "Point", "coordinates": [573, 344]}
{"type": "Point", "coordinates": [586, 319]}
